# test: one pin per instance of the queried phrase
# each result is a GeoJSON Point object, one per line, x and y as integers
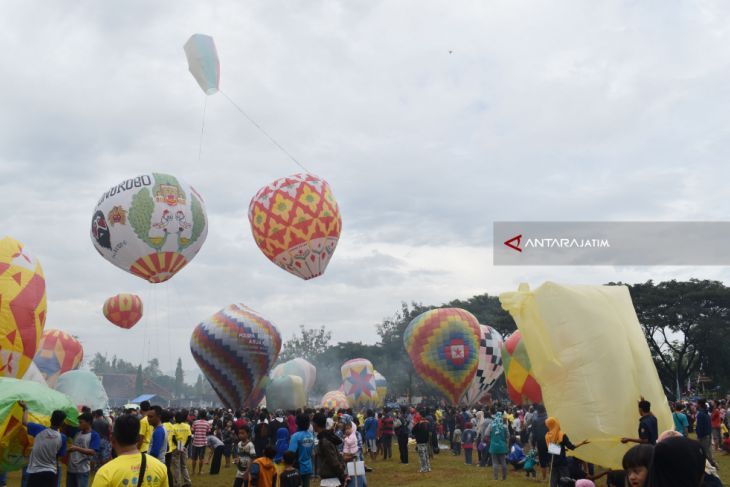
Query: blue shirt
{"type": "Point", "coordinates": [649, 429]}
{"type": "Point", "coordinates": [680, 422]}
{"type": "Point", "coordinates": [158, 444]}
{"type": "Point", "coordinates": [302, 442]}
{"type": "Point", "coordinates": [371, 428]}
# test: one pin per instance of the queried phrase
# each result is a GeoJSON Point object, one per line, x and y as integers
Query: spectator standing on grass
{"type": "Point", "coordinates": [498, 433]}
{"type": "Point", "coordinates": [104, 429]}
{"type": "Point", "coordinates": [85, 446]}
{"type": "Point", "coordinates": [182, 436]}
{"type": "Point", "coordinates": [200, 430]}
{"type": "Point", "coordinates": [468, 437]}
{"type": "Point", "coordinates": [371, 434]}
{"type": "Point", "coordinates": [648, 427]}
{"type": "Point", "coordinates": [387, 434]}
{"type": "Point", "coordinates": [130, 467]}
{"type": "Point", "coordinates": [331, 467]}
{"type": "Point", "coordinates": [49, 444]}
{"type": "Point", "coordinates": [704, 430]}
{"type": "Point", "coordinates": [401, 431]}
{"type": "Point", "coordinates": [158, 444]}
{"type": "Point", "coordinates": [681, 424]}
{"type": "Point", "coordinates": [302, 443]}
{"type": "Point", "coordinates": [421, 432]}
{"type": "Point", "coordinates": [145, 431]}
{"type": "Point", "coordinates": [245, 455]}
{"type": "Point", "coordinates": [716, 423]}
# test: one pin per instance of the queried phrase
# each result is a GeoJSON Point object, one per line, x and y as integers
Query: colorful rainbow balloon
{"type": "Point", "coordinates": [235, 348]}
{"type": "Point", "coordinates": [489, 368]}
{"type": "Point", "coordinates": [358, 381]}
{"type": "Point", "coordinates": [296, 223]}
{"type": "Point", "coordinates": [522, 386]}
{"type": "Point", "coordinates": [443, 345]}
{"type": "Point", "coordinates": [335, 400]}
{"type": "Point", "coordinates": [57, 353]}
{"type": "Point", "coordinates": [124, 310]}
{"type": "Point", "coordinates": [22, 307]}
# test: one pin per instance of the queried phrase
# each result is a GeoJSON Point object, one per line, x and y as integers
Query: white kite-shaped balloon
{"type": "Point", "coordinates": [203, 62]}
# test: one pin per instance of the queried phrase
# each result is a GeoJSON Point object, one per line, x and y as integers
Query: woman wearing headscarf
{"type": "Point", "coordinates": [556, 436]}
{"type": "Point", "coordinates": [678, 462]}
{"type": "Point", "coordinates": [498, 434]}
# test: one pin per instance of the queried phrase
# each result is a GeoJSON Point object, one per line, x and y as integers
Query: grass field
{"type": "Point", "coordinates": [448, 471]}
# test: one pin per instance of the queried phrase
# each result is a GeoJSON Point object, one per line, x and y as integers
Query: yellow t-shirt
{"type": "Point", "coordinates": [182, 433]}
{"type": "Point", "coordinates": [171, 446]}
{"type": "Point", "coordinates": [145, 431]}
{"type": "Point", "coordinates": [124, 471]}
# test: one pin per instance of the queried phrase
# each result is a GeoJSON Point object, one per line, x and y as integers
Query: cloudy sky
{"type": "Point", "coordinates": [430, 120]}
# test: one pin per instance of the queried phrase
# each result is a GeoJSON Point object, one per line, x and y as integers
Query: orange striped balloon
{"type": "Point", "coordinates": [124, 310]}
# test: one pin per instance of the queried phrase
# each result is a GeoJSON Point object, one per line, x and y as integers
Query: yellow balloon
{"type": "Point", "coordinates": [22, 307]}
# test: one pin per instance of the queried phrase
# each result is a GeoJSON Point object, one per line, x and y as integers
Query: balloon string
{"type": "Point", "coordinates": [202, 128]}
{"type": "Point", "coordinates": [273, 141]}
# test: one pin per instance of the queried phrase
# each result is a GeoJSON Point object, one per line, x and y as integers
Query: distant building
{"type": "Point", "coordinates": [121, 389]}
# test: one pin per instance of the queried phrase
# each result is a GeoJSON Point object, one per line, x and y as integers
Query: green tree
{"type": "Point", "coordinates": [99, 364]}
{"type": "Point", "coordinates": [199, 387]}
{"type": "Point", "coordinates": [686, 324]}
{"type": "Point", "coordinates": [179, 378]}
{"type": "Point", "coordinates": [308, 344]}
{"type": "Point", "coordinates": [153, 369]}
{"type": "Point", "coordinates": [139, 382]}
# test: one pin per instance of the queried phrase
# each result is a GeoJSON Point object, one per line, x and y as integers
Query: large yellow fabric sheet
{"type": "Point", "coordinates": [589, 354]}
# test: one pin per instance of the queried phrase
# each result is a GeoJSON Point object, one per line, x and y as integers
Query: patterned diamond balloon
{"type": "Point", "coordinates": [124, 310]}
{"type": "Point", "coordinates": [235, 348]}
{"type": "Point", "coordinates": [22, 307]}
{"type": "Point", "coordinates": [522, 386]}
{"type": "Point", "coordinates": [443, 345]}
{"type": "Point", "coordinates": [58, 352]}
{"type": "Point", "coordinates": [296, 223]}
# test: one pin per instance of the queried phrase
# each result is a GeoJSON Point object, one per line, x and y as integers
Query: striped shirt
{"type": "Point", "coordinates": [200, 432]}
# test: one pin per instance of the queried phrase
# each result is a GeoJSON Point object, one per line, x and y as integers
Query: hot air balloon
{"type": "Point", "coordinates": [15, 443]}
{"type": "Point", "coordinates": [22, 307]}
{"type": "Point", "coordinates": [443, 345]}
{"type": "Point", "coordinates": [589, 353]}
{"type": "Point", "coordinates": [84, 387]}
{"type": "Point", "coordinates": [489, 368]}
{"type": "Point", "coordinates": [235, 349]}
{"type": "Point", "coordinates": [296, 224]}
{"type": "Point", "coordinates": [286, 392]}
{"type": "Point", "coordinates": [358, 382]}
{"type": "Point", "coordinates": [335, 400]}
{"type": "Point", "coordinates": [151, 225]}
{"type": "Point", "coordinates": [124, 310]}
{"type": "Point", "coordinates": [203, 62]}
{"type": "Point", "coordinates": [35, 375]}
{"type": "Point", "coordinates": [381, 388]}
{"type": "Point", "coordinates": [300, 368]}
{"type": "Point", "coordinates": [522, 386]}
{"type": "Point", "coordinates": [57, 353]}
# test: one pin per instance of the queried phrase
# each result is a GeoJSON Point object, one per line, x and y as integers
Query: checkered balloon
{"type": "Point", "coordinates": [489, 368]}
{"type": "Point", "coordinates": [443, 345]}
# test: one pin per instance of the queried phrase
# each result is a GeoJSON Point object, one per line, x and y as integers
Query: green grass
{"type": "Point", "coordinates": [448, 471]}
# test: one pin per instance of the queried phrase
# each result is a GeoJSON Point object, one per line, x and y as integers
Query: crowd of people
{"type": "Point", "coordinates": [155, 445]}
